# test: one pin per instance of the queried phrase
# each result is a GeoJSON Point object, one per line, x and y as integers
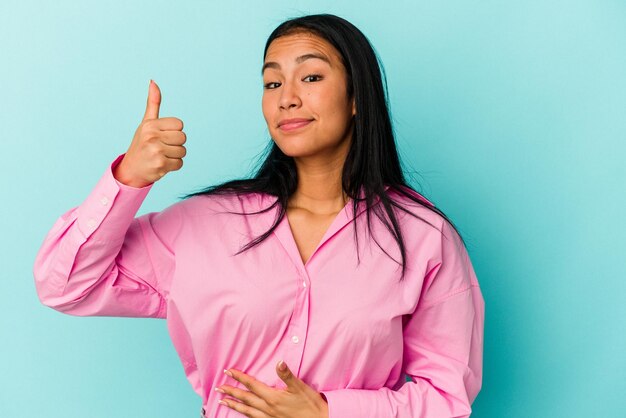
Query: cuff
{"type": "Point", "coordinates": [112, 200]}
{"type": "Point", "coordinates": [352, 403]}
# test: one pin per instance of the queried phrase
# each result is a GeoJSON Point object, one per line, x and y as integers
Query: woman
{"type": "Point", "coordinates": [256, 274]}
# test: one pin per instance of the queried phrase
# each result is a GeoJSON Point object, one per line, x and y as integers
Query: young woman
{"type": "Point", "coordinates": [325, 262]}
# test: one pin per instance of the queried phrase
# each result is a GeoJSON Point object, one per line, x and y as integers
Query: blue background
{"type": "Point", "coordinates": [511, 115]}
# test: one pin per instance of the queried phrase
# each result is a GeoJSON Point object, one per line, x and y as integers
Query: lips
{"type": "Point", "coordinates": [291, 124]}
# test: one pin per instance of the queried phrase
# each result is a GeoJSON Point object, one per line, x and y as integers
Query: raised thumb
{"type": "Point", "coordinates": [154, 101]}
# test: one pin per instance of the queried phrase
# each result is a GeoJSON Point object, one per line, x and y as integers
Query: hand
{"type": "Point", "coordinates": [156, 149]}
{"type": "Point", "coordinates": [298, 400]}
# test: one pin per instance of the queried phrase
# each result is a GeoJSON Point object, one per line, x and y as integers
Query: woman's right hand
{"type": "Point", "coordinates": [156, 149]}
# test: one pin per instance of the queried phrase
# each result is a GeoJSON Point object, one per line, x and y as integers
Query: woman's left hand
{"type": "Point", "coordinates": [297, 400]}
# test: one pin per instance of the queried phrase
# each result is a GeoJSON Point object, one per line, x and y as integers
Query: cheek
{"type": "Point", "coordinates": [335, 109]}
{"type": "Point", "coordinates": [329, 99]}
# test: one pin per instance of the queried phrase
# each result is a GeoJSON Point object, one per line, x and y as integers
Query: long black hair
{"type": "Point", "coordinates": [372, 161]}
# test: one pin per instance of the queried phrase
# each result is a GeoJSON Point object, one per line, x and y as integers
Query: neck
{"type": "Point", "coordinates": [319, 185]}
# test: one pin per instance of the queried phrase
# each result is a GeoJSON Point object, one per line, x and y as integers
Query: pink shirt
{"type": "Point", "coordinates": [350, 331]}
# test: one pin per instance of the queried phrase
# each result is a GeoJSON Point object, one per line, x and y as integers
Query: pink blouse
{"type": "Point", "coordinates": [350, 330]}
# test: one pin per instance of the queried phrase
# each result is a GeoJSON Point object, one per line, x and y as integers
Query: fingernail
{"type": "Point", "coordinates": [219, 390]}
{"type": "Point", "coordinates": [222, 402]}
{"type": "Point", "coordinates": [228, 373]}
{"type": "Point", "coordinates": [282, 366]}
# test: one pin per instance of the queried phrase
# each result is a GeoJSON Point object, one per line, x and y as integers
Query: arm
{"type": "Point", "coordinates": [98, 260]}
{"type": "Point", "coordinates": [443, 346]}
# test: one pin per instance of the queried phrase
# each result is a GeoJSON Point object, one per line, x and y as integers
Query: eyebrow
{"type": "Point", "coordinates": [299, 60]}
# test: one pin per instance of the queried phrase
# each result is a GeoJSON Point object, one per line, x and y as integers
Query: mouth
{"type": "Point", "coordinates": [294, 125]}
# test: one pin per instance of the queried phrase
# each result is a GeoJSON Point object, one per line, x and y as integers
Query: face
{"type": "Point", "coordinates": [304, 78]}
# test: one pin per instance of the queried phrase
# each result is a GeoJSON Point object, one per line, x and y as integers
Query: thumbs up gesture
{"type": "Point", "coordinates": [156, 149]}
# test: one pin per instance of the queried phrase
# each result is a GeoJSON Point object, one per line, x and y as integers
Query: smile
{"type": "Point", "coordinates": [294, 126]}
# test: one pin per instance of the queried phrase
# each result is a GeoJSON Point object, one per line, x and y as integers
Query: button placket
{"type": "Point", "coordinates": [298, 326]}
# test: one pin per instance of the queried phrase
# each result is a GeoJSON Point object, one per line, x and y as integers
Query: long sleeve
{"type": "Point", "coordinates": [99, 260]}
{"type": "Point", "coordinates": [443, 347]}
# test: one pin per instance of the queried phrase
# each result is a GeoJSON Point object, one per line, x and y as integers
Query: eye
{"type": "Point", "coordinates": [319, 77]}
{"type": "Point", "coordinates": [267, 85]}
{"type": "Point", "coordinates": [315, 76]}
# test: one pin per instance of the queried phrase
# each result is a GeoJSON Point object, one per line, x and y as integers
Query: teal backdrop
{"type": "Point", "coordinates": [510, 116]}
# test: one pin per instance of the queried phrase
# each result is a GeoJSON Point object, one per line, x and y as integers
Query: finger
{"type": "Point", "coordinates": [168, 124]}
{"type": "Point", "coordinates": [244, 409]}
{"type": "Point", "coordinates": [154, 101]}
{"type": "Point", "coordinates": [173, 137]}
{"type": "Point", "coordinates": [173, 164]}
{"type": "Point", "coordinates": [255, 386]}
{"type": "Point", "coordinates": [247, 397]}
{"type": "Point", "coordinates": [293, 383]}
{"type": "Point", "coordinates": [174, 151]}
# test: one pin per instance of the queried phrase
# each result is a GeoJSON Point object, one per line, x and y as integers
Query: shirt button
{"type": "Point", "coordinates": [304, 284]}
{"type": "Point", "coordinates": [91, 223]}
{"type": "Point", "coordinates": [104, 200]}
{"type": "Point", "coordinates": [295, 339]}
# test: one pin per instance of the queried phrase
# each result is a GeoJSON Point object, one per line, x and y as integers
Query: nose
{"type": "Point", "coordinates": [289, 96]}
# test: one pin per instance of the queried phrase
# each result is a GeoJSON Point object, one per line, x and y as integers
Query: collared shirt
{"type": "Point", "coordinates": [347, 327]}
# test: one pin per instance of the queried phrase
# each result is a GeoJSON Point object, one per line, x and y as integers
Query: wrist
{"type": "Point", "coordinates": [121, 176]}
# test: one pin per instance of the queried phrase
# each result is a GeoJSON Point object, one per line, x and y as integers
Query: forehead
{"type": "Point", "coordinates": [287, 48]}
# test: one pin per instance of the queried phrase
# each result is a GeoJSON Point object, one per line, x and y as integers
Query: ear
{"type": "Point", "coordinates": [353, 107]}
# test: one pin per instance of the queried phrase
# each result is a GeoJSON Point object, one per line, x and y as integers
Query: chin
{"type": "Point", "coordinates": [294, 149]}
{"type": "Point", "coordinates": [296, 152]}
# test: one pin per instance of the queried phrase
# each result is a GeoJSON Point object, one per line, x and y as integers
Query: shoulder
{"type": "Point", "coordinates": [414, 214]}
{"type": "Point", "coordinates": [195, 214]}
{"type": "Point", "coordinates": [424, 223]}
{"type": "Point", "coordinates": [439, 248]}
{"type": "Point", "coordinates": [213, 204]}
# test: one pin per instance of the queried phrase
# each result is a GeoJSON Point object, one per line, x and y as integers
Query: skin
{"type": "Point", "coordinates": [157, 146]}
{"type": "Point", "coordinates": [312, 89]}
{"type": "Point", "coordinates": [298, 400]}
{"type": "Point", "coordinates": [319, 151]}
